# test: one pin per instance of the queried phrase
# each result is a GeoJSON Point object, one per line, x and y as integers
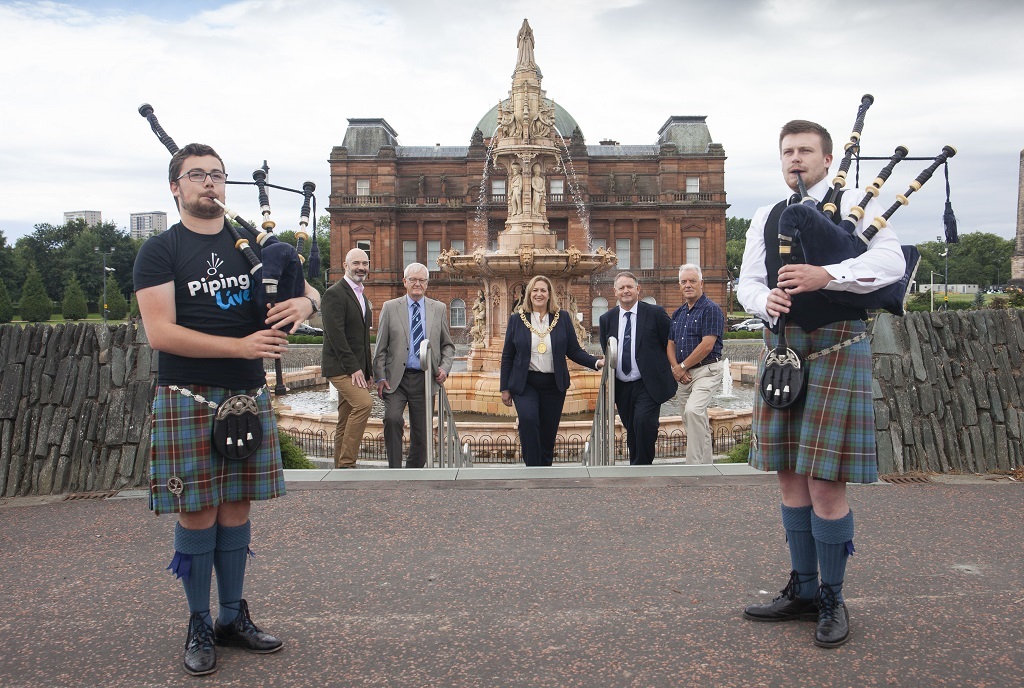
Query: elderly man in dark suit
{"type": "Point", "coordinates": [643, 378]}
{"type": "Point", "coordinates": [405, 323]}
{"type": "Point", "coordinates": [346, 359]}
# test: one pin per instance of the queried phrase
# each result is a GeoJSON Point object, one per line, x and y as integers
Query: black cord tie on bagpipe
{"type": "Point", "coordinates": [948, 218]}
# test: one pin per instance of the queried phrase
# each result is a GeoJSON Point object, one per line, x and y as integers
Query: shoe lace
{"type": "Point", "coordinates": [792, 587]}
{"type": "Point", "coordinates": [200, 632]}
{"type": "Point", "coordinates": [245, 622]}
{"type": "Point", "coordinates": [828, 602]}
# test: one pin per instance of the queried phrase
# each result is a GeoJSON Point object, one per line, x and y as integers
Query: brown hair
{"type": "Point", "coordinates": [178, 159]}
{"type": "Point", "coordinates": [527, 306]}
{"type": "Point", "coordinates": [625, 273]}
{"type": "Point", "coordinates": [802, 126]}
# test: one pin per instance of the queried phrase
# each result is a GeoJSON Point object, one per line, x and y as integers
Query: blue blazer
{"type": "Point", "coordinates": [651, 343]}
{"type": "Point", "coordinates": [515, 356]}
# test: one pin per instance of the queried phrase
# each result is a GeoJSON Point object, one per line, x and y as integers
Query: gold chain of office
{"type": "Point", "coordinates": [542, 347]}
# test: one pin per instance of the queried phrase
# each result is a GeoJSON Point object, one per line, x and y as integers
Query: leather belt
{"type": "Point", "coordinates": [704, 363]}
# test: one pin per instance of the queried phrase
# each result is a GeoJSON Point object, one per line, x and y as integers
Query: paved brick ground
{"type": "Point", "coordinates": [560, 582]}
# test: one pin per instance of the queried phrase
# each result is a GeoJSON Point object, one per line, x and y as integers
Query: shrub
{"type": "Point", "coordinates": [74, 306]}
{"type": "Point", "coordinates": [133, 308]}
{"type": "Point", "coordinates": [292, 455]}
{"type": "Point", "coordinates": [999, 303]}
{"type": "Point", "coordinates": [117, 306]}
{"type": "Point", "coordinates": [739, 453]}
{"type": "Point", "coordinates": [6, 304]}
{"type": "Point", "coordinates": [35, 302]}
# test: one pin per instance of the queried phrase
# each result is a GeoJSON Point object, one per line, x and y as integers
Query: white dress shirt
{"type": "Point", "coordinates": [882, 264]}
{"type": "Point", "coordinates": [634, 374]}
{"type": "Point", "coordinates": [540, 362]}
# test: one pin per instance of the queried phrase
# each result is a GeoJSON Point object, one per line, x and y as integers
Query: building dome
{"type": "Point", "coordinates": [564, 122]}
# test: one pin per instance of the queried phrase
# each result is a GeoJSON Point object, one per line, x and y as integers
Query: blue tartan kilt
{"type": "Point", "coordinates": [182, 455]}
{"type": "Point", "coordinates": [831, 435]}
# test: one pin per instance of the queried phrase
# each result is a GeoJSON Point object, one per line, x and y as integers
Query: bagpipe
{"type": "Point", "coordinates": [812, 236]}
{"type": "Point", "coordinates": [278, 269]}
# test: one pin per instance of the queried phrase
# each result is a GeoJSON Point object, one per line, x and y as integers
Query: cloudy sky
{"type": "Point", "coordinates": [277, 80]}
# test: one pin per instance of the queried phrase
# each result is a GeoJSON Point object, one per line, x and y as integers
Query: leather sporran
{"type": "Point", "coordinates": [784, 376]}
{"type": "Point", "coordinates": [237, 430]}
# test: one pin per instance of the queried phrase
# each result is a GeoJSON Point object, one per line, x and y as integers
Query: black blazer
{"type": "Point", "coordinates": [515, 356]}
{"type": "Point", "coordinates": [651, 343]}
{"type": "Point", "coordinates": [346, 332]}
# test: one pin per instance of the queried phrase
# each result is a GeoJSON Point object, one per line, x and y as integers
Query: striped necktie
{"type": "Point", "coordinates": [627, 346]}
{"type": "Point", "coordinates": [417, 328]}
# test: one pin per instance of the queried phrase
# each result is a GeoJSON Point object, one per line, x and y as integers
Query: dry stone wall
{"type": "Point", "coordinates": [948, 390]}
{"type": "Point", "coordinates": [75, 408]}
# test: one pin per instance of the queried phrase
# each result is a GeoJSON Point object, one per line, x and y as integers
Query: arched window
{"type": "Point", "coordinates": [599, 307]}
{"type": "Point", "coordinates": [458, 313]}
{"type": "Point", "coordinates": [650, 299]}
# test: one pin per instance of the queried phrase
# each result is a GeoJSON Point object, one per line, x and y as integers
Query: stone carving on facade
{"type": "Point", "coordinates": [607, 257]}
{"type": "Point", "coordinates": [573, 258]}
{"type": "Point", "coordinates": [495, 297]}
{"type": "Point", "coordinates": [479, 330]}
{"type": "Point", "coordinates": [515, 191]}
{"type": "Point", "coordinates": [444, 184]}
{"type": "Point", "coordinates": [421, 184]}
{"type": "Point", "coordinates": [632, 181]}
{"type": "Point", "coordinates": [526, 259]}
{"type": "Point", "coordinates": [611, 183]}
{"type": "Point", "coordinates": [544, 121]}
{"type": "Point", "coordinates": [477, 139]}
{"type": "Point", "coordinates": [518, 297]}
{"type": "Point", "coordinates": [574, 310]}
{"type": "Point", "coordinates": [507, 123]}
{"type": "Point", "coordinates": [538, 188]}
{"type": "Point", "coordinates": [444, 260]}
{"type": "Point", "coordinates": [524, 41]}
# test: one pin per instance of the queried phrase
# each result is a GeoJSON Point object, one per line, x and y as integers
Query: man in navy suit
{"type": "Point", "coordinates": [643, 378]}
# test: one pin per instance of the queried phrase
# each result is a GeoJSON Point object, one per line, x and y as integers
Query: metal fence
{"type": "Point", "coordinates": [504, 448]}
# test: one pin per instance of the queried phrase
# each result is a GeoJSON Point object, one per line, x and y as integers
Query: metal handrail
{"type": "Point", "coordinates": [600, 450]}
{"type": "Point", "coordinates": [450, 453]}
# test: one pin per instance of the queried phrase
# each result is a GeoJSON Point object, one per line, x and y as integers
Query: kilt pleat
{"type": "Point", "coordinates": [831, 435]}
{"type": "Point", "coordinates": [182, 455]}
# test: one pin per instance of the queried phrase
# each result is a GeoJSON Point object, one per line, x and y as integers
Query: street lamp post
{"type": "Point", "coordinates": [105, 271]}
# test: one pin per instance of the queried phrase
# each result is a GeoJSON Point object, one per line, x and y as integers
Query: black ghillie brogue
{"type": "Point", "coordinates": [787, 606]}
{"type": "Point", "coordinates": [833, 619]}
{"type": "Point", "coordinates": [200, 654]}
{"type": "Point", "coordinates": [242, 632]}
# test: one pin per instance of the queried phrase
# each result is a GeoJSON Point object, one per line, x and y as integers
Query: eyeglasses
{"type": "Point", "coordinates": [199, 176]}
{"type": "Point", "coordinates": [415, 280]}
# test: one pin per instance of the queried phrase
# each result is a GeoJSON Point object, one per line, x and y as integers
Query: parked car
{"type": "Point", "coordinates": [748, 325]}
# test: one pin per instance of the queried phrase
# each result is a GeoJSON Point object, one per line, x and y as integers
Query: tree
{"type": "Point", "coordinates": [736, 228]}
{"type": "Point", "coordinates": [6, 304]}
{"type": "Point", "coordinates": [74, 306]}
{"type": "Point", "coordinates": [133, 308]}
{"type": "Point", "coordinates": [36, 305]}
{"type": "Point", "coordinates": [979, 258]}
{"type": "Point", "coordinates": [117, 305]}
{"type": "Point", "coordinates": [735, 241]}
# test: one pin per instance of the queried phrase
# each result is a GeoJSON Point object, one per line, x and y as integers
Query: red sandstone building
{"type": "Point", "coordinates": [655, 205]}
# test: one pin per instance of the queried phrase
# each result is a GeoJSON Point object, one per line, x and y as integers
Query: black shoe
{"type": "Point", "coordinates": [200, 654]}
{"type": "Point", "coordinates": [833, 619]}
{"type": "Point", "coordinates": [244, 633]}
{"type": "Point", "coordinates": [786, 607]}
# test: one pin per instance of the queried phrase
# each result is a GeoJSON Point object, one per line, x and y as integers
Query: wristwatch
{"type": "Point", "coordinates": [316, 308]}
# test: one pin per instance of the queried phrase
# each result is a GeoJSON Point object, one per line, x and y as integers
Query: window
{"type": "Point", "coordinates": [599, 243]}
{"type": "Point", "coordinates": [693, 185]}
{"type": "Point", "coordinates": [458, 313]}
{"type": "Point", "coordinates": [693, 250]}
{"type": "Point", "coordinates": [365, 245]}
{"type": "Point", "coordinates": [622, 252]}
{"type": "Point", "coordinates": [560, 244]}
{"type": "Point", "coordinates": [459, 245]}
{"type": "Point", "coordinates": [647, 254]}
{"type": "Point", "coordinates": [362, 187]}
{"type": "Point", "coordinates": [599, 307]}
{"type": "Point", "coordinates": [497, 187]}
{"type": "Point", "coordinates": [557, 187]}
{"type": "Point", "coordinates": [433, 252]}
{"type": "Point", "coordinates": [408, 253]}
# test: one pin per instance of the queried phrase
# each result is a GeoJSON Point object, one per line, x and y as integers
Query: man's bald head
{"type": "Point", "coordinates": [357, 265]}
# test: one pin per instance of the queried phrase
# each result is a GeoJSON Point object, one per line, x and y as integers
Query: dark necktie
{"type": "Point", "coordinates": [417, 328]}
{"type": "Point", "coordinates": [627, 346]}
{"type": "Point", "coordinates": [794, 199]}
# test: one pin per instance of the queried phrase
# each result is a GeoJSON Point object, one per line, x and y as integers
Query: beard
{"type": "Point", "coordinates": [202, 210]}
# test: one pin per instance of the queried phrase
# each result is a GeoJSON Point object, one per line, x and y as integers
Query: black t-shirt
{"type": "Point", "coordinates": [213, 293]}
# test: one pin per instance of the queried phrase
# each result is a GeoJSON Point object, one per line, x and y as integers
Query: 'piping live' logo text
{"type": "Point", "coordinates": [229, 291]}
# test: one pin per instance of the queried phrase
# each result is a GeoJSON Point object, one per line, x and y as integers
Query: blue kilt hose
{"type": "Point", "coordinates": [182, 457]}
{"type": "Point", "coordinates": [831, 435]}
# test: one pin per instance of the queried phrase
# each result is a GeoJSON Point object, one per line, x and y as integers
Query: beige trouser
{"type": "Point", "coordinates": [694, 399]}
{"type": "Point", "coordinates": [354, 404]}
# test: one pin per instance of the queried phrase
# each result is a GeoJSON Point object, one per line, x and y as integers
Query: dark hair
{"type": "Point", "coordinates": [802, 126]}
{"type": "Point", "coordinates": [625, 273]}
{"type": "Point", "coordinates": [192, 149]}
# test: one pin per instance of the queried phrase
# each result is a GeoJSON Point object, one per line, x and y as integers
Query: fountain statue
{"type": "Point", "coordinates": [525, 146]}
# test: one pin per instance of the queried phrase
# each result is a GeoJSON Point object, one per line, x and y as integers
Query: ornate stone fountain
{"type": "Point", "coordinates": [526, 148]}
